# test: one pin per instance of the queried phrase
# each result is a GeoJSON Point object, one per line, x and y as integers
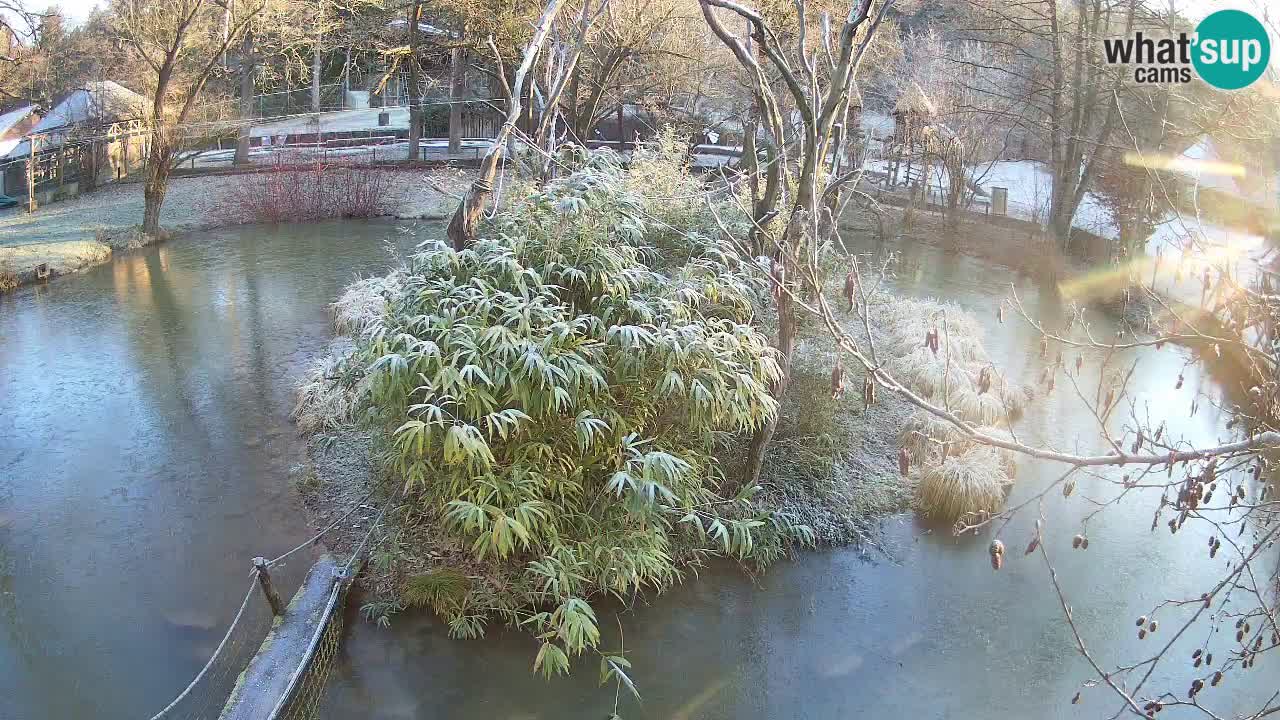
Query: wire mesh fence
{"type": "Point", "coordinates": [208, 695]}
{"type": "Point", "coordinates": [300, 100]}
{"type": "Point", "coordinates": [306, 699]}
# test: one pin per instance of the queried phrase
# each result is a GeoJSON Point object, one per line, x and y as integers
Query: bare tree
{"type": "Point", "coordinates": [816, 78]}
{"type": "Point", "coordinates": [1062, 90]}
{"type": "Point", "coordinates": [18, 27]}
{"type": "Point", "coordinates": [182, 43]}
{"type": "Point", "coordinates": [466, 219]}
{"type": "Point", "coordinates": [415, 97]}
{"type": "Point", "coordinates": [961, 141]}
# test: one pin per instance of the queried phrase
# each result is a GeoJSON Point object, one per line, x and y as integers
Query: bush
{"type": "Point", "coordinates": [315, 192]}
{"type": "Point", "coordinates": [973, 482]}
{"type": "Point", "coordinates": [955, 476]}
{"type": "Point", "coordinates": [8, 279]}
{"type": "Point", "coordinates": [557, 405]}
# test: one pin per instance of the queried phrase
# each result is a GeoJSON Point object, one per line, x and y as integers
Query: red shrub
{"type": "Point", "coordinates": [313, 192]}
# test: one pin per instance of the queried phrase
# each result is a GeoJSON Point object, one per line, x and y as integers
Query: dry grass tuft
{"type": "Point", "coordinates": [8, 279]}
{"type": "Point", "coordinates": [980, 409]}
{"type": "Point", "coordinates": [363, 304]}
{"type": "Point", "coordinates": [325, 401]}
{"type": "Point", "coordinates": [905, 323]}
{"type": "Point", "coordinates": [928, 437]}
{"type": "Point", "coordinates": [1016, 398]}
{"type": "Point", "coordinates": [974, 481]}
{"type": "Point", "coordinates": [924, 372]}
{"type": "Point", "coordinates": [955, 476]}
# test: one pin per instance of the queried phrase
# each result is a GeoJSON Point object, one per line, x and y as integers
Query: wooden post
{"type": "Point", "coordinates": [31, 176]}
{"type": "Point", "coordinates": [264, 581]}
{"type": "Point", "coordinates": [622, 140]}
{"type": "Point", "coordinates": [457, 88]}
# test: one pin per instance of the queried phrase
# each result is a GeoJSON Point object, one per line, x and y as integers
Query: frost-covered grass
{"type": "Point", "coordinates": [951, 375]}
{"type": "Point", "coordinates": [327, 398]}
{"type": "Point", "coordinates": [971, 482]}
{"type": "Point", "coordinates": [954, 476]}
{"type": "Point", "coordinates": [363, 305]}
{"type": "Point", "coordinates": [333, 390]}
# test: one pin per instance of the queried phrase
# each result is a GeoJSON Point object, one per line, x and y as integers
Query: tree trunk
{"type": "Point", "coordinates": [466, 219]}
{"type": "Point", "coordinates": [750, 164]}
{"type": "Point", "coordinates": [156, 186]}
{"type": "Point", "coordinates": [315, 75]}
{"type": "Point", "coordinates": [760, 441]}
{"type": "Point", "coordinates": [767, 204]}
{"type": "Point", "coordinates": [246, 99]}
{"type": "Point", "coordinates": [415, 112]}
{"type": "Point", "coordinates": [386, 87]}
{"type": "Point", "coordinates": [793, 240]}
{"type": "Point", "coordinates": [457, 87]}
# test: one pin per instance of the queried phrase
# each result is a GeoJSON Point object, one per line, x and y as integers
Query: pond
{"type": "Point", "coordinates": [147, 455]}
{"type": "Point", "coordinates": [926, 631]}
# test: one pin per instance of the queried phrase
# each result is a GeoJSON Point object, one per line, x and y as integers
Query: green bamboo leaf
{"type": "Point", "coordinates": [551, 661]}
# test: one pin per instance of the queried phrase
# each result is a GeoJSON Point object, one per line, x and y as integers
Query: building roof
{"type": "Point", "coordinates": [103, 101]}
{"type": "Point", "coordinates": [11, 118]}
{"type": "Point", "coordinates": [13, 125]}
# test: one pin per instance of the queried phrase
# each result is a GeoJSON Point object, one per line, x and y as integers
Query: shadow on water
{"type": "Point", "coordinates": [928, 632]}
{"type": "Point", "coordinates": [146, 456]}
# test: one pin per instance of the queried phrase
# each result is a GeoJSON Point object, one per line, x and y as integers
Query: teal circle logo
{"type": "Point", "coordinates": [1232, 49]}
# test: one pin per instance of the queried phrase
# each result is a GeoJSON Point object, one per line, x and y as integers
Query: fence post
{"type": "Point", "coordinates": [264, 581]}
{"type": "Point", "coordinates": [31, 176]}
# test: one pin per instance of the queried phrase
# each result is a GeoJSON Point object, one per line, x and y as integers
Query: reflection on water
{"type": "Point", "coordinates": [146, 455]}
{"type": "Point", "coordinates": [929, 632]}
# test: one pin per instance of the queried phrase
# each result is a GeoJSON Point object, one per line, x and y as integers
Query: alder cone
{"type": "Point", "coordinates": [997, 554]}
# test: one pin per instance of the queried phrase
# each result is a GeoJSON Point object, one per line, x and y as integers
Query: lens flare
{"type": "Point", "coordinates": [1183, 164]}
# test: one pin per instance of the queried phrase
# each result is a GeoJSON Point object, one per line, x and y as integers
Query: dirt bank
{"type": "Point", "coordinates": [75, 234]}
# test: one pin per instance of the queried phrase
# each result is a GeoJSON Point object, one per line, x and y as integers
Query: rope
{"type": "Point", "coordinates": [253, 583]}
{"type": "Point", "coordinates": [316, 538]}
{"type": "Point", "coordinates": [321, 628]}
{"type": "Point", "coordinates": [497, 197]}
{"type": "Point", "coordinates": [360, 548]}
